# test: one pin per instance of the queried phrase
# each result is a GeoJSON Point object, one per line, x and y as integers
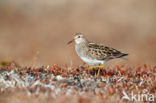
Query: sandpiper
{"type": "Point", "coordinates": [94, 54]}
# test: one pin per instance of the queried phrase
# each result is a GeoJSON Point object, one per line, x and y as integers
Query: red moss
{"type": "Point", "coordinates": [111, 80]}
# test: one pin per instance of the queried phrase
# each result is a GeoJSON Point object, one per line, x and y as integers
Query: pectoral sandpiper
{"type": "Point", "coordinates": [94, 54]}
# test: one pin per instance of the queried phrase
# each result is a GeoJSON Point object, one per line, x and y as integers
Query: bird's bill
{"type": "Point", "coordinates": [70, 41]}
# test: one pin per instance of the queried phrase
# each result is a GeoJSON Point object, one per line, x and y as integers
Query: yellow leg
{"type": "Point", "coordinates": [97, 66]}
{"type": "Point", "coordinates": [100, 66]}
{"type": "Point", "coordinates": [98, 74]}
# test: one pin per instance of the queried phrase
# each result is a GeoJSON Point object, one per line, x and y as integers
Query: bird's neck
{"type": "Point", "coordinates": [82, 45]}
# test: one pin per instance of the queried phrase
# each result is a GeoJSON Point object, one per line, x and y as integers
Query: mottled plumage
{"type": "Point", "coordinates": [94, 53]}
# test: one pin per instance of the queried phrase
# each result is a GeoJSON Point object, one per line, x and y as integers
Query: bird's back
{"type": "Point", "coordinates": [101, 52]}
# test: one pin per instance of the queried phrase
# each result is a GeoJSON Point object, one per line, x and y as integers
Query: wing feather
{"type": "Point", "coordinates": [102, 52]}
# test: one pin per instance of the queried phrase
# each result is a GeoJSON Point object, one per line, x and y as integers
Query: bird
{"type": "Point", "coordinates": [94, 54]}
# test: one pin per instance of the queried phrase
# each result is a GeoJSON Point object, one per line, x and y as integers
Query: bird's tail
{"type": "Point", "coordinates": [123, 55]}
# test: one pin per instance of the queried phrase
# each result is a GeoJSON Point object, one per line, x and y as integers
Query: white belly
{"type": "Point", "coordinates": [92, 61]}
{"type": "Point", "coordinates": [89, 61]}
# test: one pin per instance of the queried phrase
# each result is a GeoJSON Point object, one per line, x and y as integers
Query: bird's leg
{"type": "Point", "coordinates": [97, 66]}
{"type": "Point", "coordinates": [91, 67]}
{"type": "Point", "coordinates": [100, 66]}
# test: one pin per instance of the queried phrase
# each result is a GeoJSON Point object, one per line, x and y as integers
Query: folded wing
{"type": "Point", "coordinates": [102, 52]}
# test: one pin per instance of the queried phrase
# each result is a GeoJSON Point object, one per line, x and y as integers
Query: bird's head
{"type": "Point", "coordinates": [78, 38]}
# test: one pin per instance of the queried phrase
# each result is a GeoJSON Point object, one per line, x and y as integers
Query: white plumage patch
{"type": "Point", "coordinates": [92, 61]}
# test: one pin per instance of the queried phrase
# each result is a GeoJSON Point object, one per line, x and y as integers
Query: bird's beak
{"type": "Point", "coordinates": [70, 41]}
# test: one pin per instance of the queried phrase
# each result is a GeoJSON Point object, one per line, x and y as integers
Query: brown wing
{"type": "Point", "coordinates": [102, 52]}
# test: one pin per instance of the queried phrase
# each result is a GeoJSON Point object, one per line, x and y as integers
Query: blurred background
{"type": "Point", "coordinates": [35, 32]}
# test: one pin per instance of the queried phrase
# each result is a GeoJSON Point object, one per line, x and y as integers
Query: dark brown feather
{"type": "Point", "coordinates": [101, 52]}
